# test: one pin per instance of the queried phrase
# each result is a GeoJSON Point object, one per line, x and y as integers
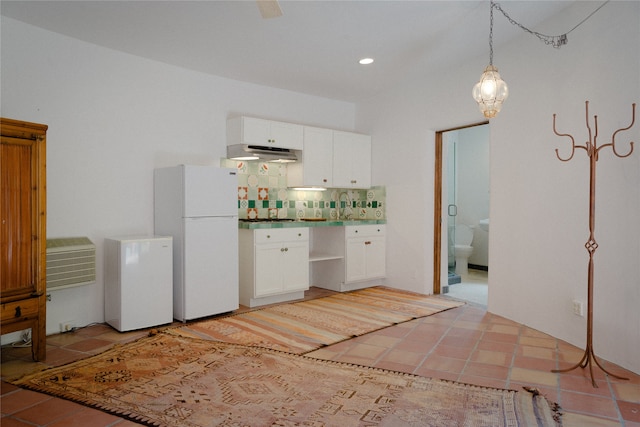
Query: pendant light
{"type": "Point", "coordinates": [491, 91]}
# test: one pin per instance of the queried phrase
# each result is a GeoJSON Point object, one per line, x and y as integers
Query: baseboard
{"type": "Point", "coordinates": [479, 267]}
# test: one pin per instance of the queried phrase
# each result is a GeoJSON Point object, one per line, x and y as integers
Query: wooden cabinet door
{"type": "Point", "coordinates": [19, 217]}
{"type": "Point", "coordinates": [23, 230]}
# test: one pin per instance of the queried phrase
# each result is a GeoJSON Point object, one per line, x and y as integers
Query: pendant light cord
{"type": "Point", "coordinates": [555, 41]}
{"type": "Point", "coordinates": [493, 4]}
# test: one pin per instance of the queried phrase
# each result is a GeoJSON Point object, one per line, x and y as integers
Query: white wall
{"type": "Point", "coordinates": [112, 119]}
{"type": "Point", "coordinates": [538, 205]}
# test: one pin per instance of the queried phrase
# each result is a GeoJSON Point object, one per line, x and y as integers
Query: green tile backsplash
{"type": "Point", "coordinates": [263, 193]}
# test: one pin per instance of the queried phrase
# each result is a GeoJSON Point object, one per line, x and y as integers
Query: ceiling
{"type": "Point", "coordinates": [313, 48]}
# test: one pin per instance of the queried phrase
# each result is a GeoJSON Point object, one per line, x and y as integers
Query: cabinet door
{"type": "Point", "coordinates": [341, 160]}
{"type": "Point", "coordinates": [317, 157]}
{"type": "Point", "coordinates": [269, 133]}
{"type": "Point", "coordinates": [19, 226]}
{"type": "Point", "coordinates": [351, 160]}
{"type": "Point", "coordinates": [286, 135]}
{"type": "Point", "coordinates": [255, 131]}
{"type": "Point", "coordinates": [375, 257]}
{"type": "Point", "coordinates": [361, 166]}
{"type": "Point", "coordinates": [23, 232]}
{"type": "Point", "coordinates": [295, 266]}
{"type": "Point", "coordinates": [355, 260]}
{"type": "Point", "coordinates": [268, 269]}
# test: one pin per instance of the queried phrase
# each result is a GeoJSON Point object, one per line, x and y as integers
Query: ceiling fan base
{"type": "Point", "coordinates": [269, 8]}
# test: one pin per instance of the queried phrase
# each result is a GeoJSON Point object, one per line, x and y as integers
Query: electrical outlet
{"type": "Point", "coordinates": [67, 326]}
{"type": "Point", "coordinates": [578, 308]}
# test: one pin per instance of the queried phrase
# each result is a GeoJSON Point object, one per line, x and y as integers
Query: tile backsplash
{"type": "Point", "coordinates": [263, 193]}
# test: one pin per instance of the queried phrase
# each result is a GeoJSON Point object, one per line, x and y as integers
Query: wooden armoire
{"type": "Point", "coordinates": [23, 241]}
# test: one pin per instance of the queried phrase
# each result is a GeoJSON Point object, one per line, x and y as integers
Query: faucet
{"type": "Point", "coordinates": [347, 213]}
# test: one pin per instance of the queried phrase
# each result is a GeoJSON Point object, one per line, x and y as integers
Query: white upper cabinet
{"type": "Point", "coordinates": [332, 159]}
{"type": "Point", "coordinates": [316, 167]}
{"type": "Point", "coordinates": [351, 160]}
{"type": "Point", "coordinates": [252, 131]}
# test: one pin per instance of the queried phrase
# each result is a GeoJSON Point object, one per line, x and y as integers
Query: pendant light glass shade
{"type": "Point", "coordinates": [490, 92]}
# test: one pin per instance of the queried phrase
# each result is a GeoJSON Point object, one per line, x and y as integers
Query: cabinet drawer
{"type": "Point", "coordinates": [19, 310]}
{"type": "Point", "coordinates": [281, 235]}
{"type": "Point", "coordinates": [365, 230]}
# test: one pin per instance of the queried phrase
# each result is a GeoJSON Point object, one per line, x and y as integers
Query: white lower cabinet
{"type": "Point", "coordinates": [274, 265]}
{"type": "Point", "coordinates": [348, 258]}
{"type": "Point", "coordinates": [365, 252]}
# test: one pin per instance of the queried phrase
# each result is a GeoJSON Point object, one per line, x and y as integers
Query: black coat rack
{"type": "Point", "coordinates": [592, 149]}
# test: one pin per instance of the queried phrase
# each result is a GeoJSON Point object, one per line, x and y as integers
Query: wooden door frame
{"type": "Point", "coordinates": [437, 203]}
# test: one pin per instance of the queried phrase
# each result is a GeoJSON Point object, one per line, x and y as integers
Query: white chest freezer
{"type": "Point", "coordinates": [138, 286]}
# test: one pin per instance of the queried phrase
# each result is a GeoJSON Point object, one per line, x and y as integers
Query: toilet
{"type": "Point", "coordinates": [463, 248]}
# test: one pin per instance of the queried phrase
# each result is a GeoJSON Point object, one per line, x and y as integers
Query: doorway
{"type": "Point", "coordinates": [449, 210]}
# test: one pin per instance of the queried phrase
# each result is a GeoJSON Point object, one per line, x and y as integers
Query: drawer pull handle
{"type": "Point", "coordinates": [367, 243]}
{"type": "Point", "coordinates": [18, 312]}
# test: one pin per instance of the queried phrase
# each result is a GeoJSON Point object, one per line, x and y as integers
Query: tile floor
{"type": "Point", "coordinates": [465, 344]}
{"type": "Point", "coordinates": [473, 287]}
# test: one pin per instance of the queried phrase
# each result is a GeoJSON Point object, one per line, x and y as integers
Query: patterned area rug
{"type": "Point", "coordinates": [308, 325]}
{"type": "Point", "coordinates": [168, 380]}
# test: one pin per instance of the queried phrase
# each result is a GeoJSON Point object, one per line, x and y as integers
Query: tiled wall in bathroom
{"type": "Point", "coordinates": [263, 193]}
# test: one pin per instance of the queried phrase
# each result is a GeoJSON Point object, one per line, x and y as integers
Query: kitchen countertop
{"type": "Point", "coordinates": [294, 224]}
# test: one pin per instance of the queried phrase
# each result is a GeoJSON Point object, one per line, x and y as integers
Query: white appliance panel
{"type": "Point", "coordinates": [210, 191]}
{"type": "Point", "coordinates": [210, 266]}
{"type": "Point", "coordinates": [198, 206]}
{"type": "Point", "coordinates": [138, 282]}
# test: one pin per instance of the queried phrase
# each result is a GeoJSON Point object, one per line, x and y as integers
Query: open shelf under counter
{"type": "Point", "coordinates": [322, 256]}
{"type": "Point", "coordinates": [326, 243]}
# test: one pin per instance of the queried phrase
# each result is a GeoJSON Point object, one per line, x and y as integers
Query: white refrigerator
{"type": "Point", "coordinates": [198, 207]}
{"type": "Point", "coordinates": [138, 290]}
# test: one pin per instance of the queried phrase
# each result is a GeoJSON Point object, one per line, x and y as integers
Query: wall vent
{"type": "Point", "coordinates": [71, 261]}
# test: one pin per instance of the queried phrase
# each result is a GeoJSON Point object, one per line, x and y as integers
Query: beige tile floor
{"type": "Point", "coordinates": [465, 344]}
{"type": "Point", "coordinates": [473, 287]}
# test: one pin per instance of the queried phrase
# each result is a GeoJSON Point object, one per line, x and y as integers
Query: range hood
{"type": "Point", "coordinates": [259, 152]}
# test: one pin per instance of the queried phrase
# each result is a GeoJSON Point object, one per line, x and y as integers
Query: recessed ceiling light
{"type": "Point", "coordinates": [366, 61]}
